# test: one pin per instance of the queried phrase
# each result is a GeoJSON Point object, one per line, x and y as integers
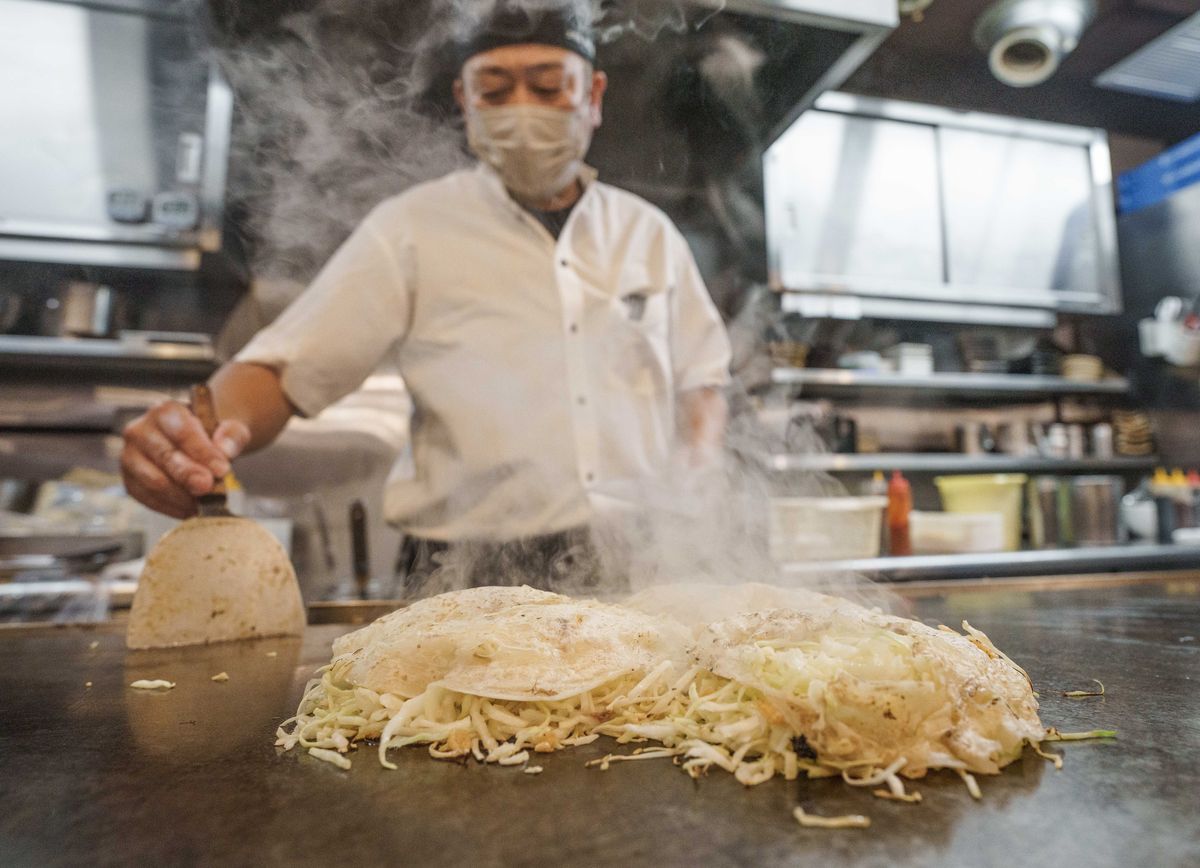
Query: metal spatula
{"type": "Point", "coordinates": [216, 577]}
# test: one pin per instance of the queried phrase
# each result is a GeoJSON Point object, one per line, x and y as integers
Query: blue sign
{"type": "Point", "coordinates": [1155, 180]}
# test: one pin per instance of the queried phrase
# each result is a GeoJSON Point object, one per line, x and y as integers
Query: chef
{"type": "Point", "coordinates": [554, 332]}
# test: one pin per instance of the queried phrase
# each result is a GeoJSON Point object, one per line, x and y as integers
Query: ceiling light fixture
{"type": "Point", "coordinates": [1026, 40]}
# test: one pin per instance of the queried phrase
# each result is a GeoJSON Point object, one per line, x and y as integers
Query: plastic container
{"type": "Point", "coordinates": [993, 492]}
{"type": "Point", "coordinates": [1183, 347]}
{"type": "Point", "coordinates": [825, 528]}
{"type": "Point", "coordinates": [944, 533]}
{"type": "Point", "coordinates": [1150, 336]}
{"type": "Point", "coordinates": [1139, 514]}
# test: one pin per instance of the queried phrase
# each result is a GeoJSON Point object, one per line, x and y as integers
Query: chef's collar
{"type": "Point", "coordinates": [587, 176]}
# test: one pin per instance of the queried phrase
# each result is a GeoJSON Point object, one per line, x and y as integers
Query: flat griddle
{"type": "Point", "coordinates": [108, 775]}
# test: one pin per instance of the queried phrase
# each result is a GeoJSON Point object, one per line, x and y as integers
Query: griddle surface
{"type": "Point", "coordinates": [107, 774]}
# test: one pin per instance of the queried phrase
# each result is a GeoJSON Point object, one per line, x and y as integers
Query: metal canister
{"type": "Point", "coordinates": [1102, 440]}
{"type": "Point", "coordinates": [969, 438]}
{"type": "Point", "coordinates": [1095, 509]}
{"type": "Point", "coordinates": [1164, 507]}
{"type": "Point", "coordinates": [1013, 438]}
{"type": "Point", "coordinates": [1049, 513]}
{"type": "Point", "coordinates": [1055, 444]}
{"type": "Point", "coordinates": [845, 435]}
{"type": "Point", "coordinates": [1076, 442]}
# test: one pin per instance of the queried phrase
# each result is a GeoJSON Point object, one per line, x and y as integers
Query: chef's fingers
{"type": "Point", "coordinates": [166, 507]}
{"type": "Point", "coordinates": [144, 436]}
{"type": "Point", "coordinates": [231, 438]}
{"type": "Point", "coordinates": [150, 486]}
{"type": "Point", "coordinates": [184, 430]}
{"type": "Point", "coordinates": [141, 472]}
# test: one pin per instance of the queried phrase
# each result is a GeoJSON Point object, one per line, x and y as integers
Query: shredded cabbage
{"type": "Point", "coordinates": [693, 716]}
{"type": "Point", "coordinates": [849, 821]}
{"type": "Point", "coordinates": [330, 756]}
{"type": "Point", "coordinates": [701, 718]}
{"type": "Point", "coordinates": [152, 684]}
{"type": "Point", "coordinates": [1080, 694]}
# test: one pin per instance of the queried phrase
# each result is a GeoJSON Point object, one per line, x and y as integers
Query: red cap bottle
{"type": "Point", "coordinates": [898, 510]}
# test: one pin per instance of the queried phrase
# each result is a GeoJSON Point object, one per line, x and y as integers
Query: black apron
{"type": "Point", "coordinates": [566, 562]}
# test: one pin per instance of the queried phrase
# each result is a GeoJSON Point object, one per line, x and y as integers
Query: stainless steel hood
{"type": "Point", "coordinates": [845, 14]}
{"type": "Point", "coordinates": [728, 80]}
{"type": "Point", "coordinates": [876, 199]}
{"type": "Point", "coordinates": [691, 114]}
{"type": "Point", "coordinates": [858, 25]}
{"type": "Point", "coordinates": [114, 130]}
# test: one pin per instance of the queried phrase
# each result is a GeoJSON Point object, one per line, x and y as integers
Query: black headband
{"type": "Point", "coordinates": [512, 25]}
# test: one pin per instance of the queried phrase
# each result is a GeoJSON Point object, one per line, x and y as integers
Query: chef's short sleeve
{"type": "Point", "coordinates": [700, 349]}
{"type": "Point", "coordinates": [337, 332]}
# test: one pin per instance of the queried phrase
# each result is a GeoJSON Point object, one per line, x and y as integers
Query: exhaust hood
{"type": "Point", "coordinates": [114, 128]}
{"type": "Point", "coordinates": [881, 200]}
{"type": "Point", "coordinates": [734, 78]}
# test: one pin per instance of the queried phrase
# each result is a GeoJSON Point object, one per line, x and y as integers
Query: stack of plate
{"type": "Point", "coordinates": [1083, 368]}
{"type": "Point", "coordinates": [1134, 435]}
{"type": "Point", "coordinates": [914, 360]}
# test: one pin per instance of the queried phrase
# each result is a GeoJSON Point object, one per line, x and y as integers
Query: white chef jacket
{"type": "Point", "coordinates": [540, 370]}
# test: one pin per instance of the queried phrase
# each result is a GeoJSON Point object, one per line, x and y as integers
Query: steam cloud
{"type": "Point", "coordinates": [345, 104]}
{"type": "Point", "coordinates": [337, 110]}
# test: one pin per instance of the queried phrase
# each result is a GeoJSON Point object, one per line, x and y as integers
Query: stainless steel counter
{"type": "Point", "coordinates": [1138, 556]}
{"type": "Point", "coordinates": [109, 775]}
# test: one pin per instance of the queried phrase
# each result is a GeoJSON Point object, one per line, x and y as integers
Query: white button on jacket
{"type": "Point", "coordinates": [538, 369]}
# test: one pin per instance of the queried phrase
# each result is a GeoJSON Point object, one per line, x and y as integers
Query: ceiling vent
{"type": "Point", "coordinates": [1168, 67]}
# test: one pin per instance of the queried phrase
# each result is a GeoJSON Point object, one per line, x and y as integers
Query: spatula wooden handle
{"type": "Point", "coordinates": [203, 408]}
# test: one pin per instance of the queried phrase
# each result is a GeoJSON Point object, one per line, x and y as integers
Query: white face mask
{"type": "Point", "coordinates": [537, 150]}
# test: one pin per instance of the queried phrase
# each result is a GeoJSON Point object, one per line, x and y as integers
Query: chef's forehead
{"type": "Point", "coordinates": [525, 55]}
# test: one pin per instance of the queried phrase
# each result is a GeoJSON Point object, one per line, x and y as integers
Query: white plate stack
{"type": "Point", "coordinates": [912, 359]}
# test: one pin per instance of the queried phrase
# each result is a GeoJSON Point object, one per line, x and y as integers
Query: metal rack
{"type": "Point", "coordinates": [829, 382]}
{"type": "Point", "coordinates": [933, 462]}
{"type": "Point", "coordinates": [182, 355]}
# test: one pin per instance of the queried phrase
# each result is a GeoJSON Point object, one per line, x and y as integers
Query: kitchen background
{"type": "Point", "coordinates": [951, 239]}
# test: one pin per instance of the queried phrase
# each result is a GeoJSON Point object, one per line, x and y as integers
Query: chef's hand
{"type": "Point", "coordinates": [168, 461]}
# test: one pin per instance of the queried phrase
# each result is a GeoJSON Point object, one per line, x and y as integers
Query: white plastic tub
{"type": "Point", "coordinates": [944, 533]}
{"type": "Point", "coordinates": [825, 528]}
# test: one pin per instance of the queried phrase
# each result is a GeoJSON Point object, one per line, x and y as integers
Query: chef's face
{"type": "Point", "coordinates": [531, 74]}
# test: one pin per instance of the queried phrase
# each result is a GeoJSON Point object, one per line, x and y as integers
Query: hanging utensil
{"type": "Point", "coordinates": [358, 545]}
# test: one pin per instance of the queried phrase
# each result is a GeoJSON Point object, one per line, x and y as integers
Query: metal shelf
{"type": "Point", "coordinates": [931, 462]}
{"type": "Point", "coordinates": [828, 381]}
{"type": "Point", "coordinates": [165, 353]}
{"type": "Point", "coordinates": [132, 345]}
{"type": "Point", "coordinates": [36, 457]}
{"type": "Point", "coordinates": [1135, 556]}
